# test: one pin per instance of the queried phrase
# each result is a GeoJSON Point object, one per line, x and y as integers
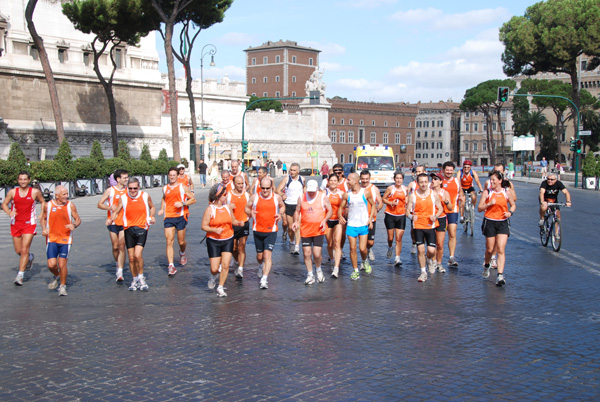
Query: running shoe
{"type": "Point", "coordinates": [259, 273]}
{"type": "Point", "coordinates": [541, 223]}
{"type": "Point", "coordinates": [182, 259]}
{"type": "Point", "coordinates": [212, 281]}
{"type": "Point", "coordinates": [134, 285]}
{"type": "Point", "coordinates": [62, 290]}
{"type": "Point", "coordinates": [371, 255]}
{"type": "Point", "coordinates": [431, 266]}
{"type": "Point", "coordinates": [221, 292]}
{"type": "Point", "coordinates": [335, 273]}
{"type": "Point", "coordinates": [423, 277]}
{"type": "Point", "coordinates": [284, 236]}
{"type": "Point", "coordinates": [263, 284]}
{"type": "Point", "coordinates": [462, 219]}
{"type": "Point", "coordinates": [119, 275]}
{"type": "Point", "coordinates": [397, 261]}
{"type": "Point", "coordinates": [30, 261]}
{"type": "Point", "coordinates": [355, 275]}
{"type": "Point", "coordinates": [143, 284]}
{"type": "Point", "coordinates": [494, 262]}
{"type": "Point", "coordinates": [500, 280]}
{"type": "Point", "coordinates": [53, 284]}
{"type": "Point", "coordinates": [296, 249]}
{"type": "Point", "coordinates": [320, 277]}
{"type": "Point", "coordinates": [368, 268]}
{"type": "Point", "coordinates": [452, 262]}
{"type": "Point", "coordinates": [361, 267]}
{"type": "Point", "coordinates": [310, 279]}
{"type": "Point", "coordinates": [390, 252]}
{"type": "Point", "coordinates": [19, 280]}
{"type": "Point", "coordinates": [292, 244]}
{"type": "Point", "coordinates": [440, 268]}
{"type": "Point", "coordinates": [172, 270]}
{"type": "Point", "coordinates": [343, 256]}
{"type": "Point", "coordinates": [239, 272]}
{"type": "Point", "coordinates": [413, 249]}
{"type": "Point", "coordinates": [486, 271]}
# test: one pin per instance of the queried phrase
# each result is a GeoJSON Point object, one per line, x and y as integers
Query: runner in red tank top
{"type": "Point", "coordinates": [59, 219]}
{"type": "Point", "coordinates": [109, 202]}
{"type": "Point", "coordinates": [22, 220]}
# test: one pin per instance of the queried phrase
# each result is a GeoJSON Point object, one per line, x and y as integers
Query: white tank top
{"type": "Point", "coordinates": [293, 190]}
{"type": "Point", "coordinates": [358, 212]}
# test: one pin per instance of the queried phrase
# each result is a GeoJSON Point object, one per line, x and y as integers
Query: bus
{"type": "Point", "coordinates": [379, 160]}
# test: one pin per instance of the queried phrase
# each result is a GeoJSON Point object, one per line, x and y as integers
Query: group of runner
{"type": "Point", "coordinates": [343, 207]}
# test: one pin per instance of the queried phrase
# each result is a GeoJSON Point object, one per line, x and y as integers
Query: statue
{"type": "Point", "coordinates": [315, 83]}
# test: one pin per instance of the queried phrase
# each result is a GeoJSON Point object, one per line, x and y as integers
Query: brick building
{"type": "Point", "coordinates": [356, 123]}
{"type": "Point", "coordinates": [279, 69]}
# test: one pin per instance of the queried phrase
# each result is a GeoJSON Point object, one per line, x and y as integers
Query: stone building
{"type": "Point", "coordinates": [437, 131]}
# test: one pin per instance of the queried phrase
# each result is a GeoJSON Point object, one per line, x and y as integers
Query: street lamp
{"type": "Point", "coordinates": [212, 49]}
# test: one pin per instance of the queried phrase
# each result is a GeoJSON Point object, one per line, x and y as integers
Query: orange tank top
{"type": "Point", "coordinates": [172, 195]}
{"type": "Point", "coordinates": [185, 180]}
{"type": "Point", "coordinates": [424, 208]}
{"type": "Point", "coordinates": [240, 201]}
{"type": "Point", "coordinates": [343, 185]}
{"type": "Point", "coordinates": [113, 199]}
{"type": "Point", "coordinates": [400, 195]}
{"type": "Point", "coordinates": [136, 211]}
{"type": "Point", "coordinates": [335, 199]}
{"type": "Point", "coordinates": [445, 209]}
{"type": "Point", "coordinates": [312, 212]}
{"type": "Point", "coordinates": [496, 211]}
{"type": "Point", "coordinates": [266, 212]}
{"type": "Point", "coordinates": [452, 186]}
{"type": "Point", "coordinates": [466, 180]}
{"type": "Point", "coordinates": [220, 217]}
{"type": "Point", "coordinates": [58, 216]}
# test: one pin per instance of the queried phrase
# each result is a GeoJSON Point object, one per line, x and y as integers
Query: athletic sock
{"type": "Point", "coordinates": [21, 273]}
{"type": "Point", "coordinates": [422, 270]}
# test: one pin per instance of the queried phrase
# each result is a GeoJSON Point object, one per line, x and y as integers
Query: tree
{"type": "Point", "coordinates": [145, 155]}
{"type": "Point", "coordinates": [264, 105]}
{"type": "Point", "coordinates": [124, 151]}
{"type": "Point", "coordinates": [113, 22]}
{"type": "Point", "coordinates": [96, 152]}
{"type": "Point", "coordinates": [550, 36]}
{"type": "Point", "coordinates": [64, 156]}
{"type": "Point", "coordinates": [16, 156]}
{"type": "Point", "coordinates": [198, 16]}
{"type": "Point", "coordinates": [39, 45]}
{"type": "Point", "coordinates": [162, 155]}
{"type": "Point", "coordinates": [483, 98]}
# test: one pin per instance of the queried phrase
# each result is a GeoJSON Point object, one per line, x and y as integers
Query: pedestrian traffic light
{"type": "Point", "coordinates": [244, 147]}
{"type": "Point", "coordinates": [578, 146]}
{"type": "Point", "coordinates": [573, 144]}
{"type": "Point", "coordinates": [503, 94]}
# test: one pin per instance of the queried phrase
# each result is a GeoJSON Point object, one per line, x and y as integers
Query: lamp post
{"type": "Point", "coordinates": [212, 49]}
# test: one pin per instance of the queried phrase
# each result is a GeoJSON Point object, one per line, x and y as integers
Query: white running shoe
{"type": "Point", "coordinates": [62, 290]}
{"type": "Point", "coordinates": [500, 280]}
{"type": "Point", "coordinates": [494, 262]}
{"type": "Point", "coordinates": [431, 266]}
{"type": "Point", "coordinates": [361, 267]}
{"type": "Point", "coordinates": [335, 273]}
{"type": "Point", "coordinates": [486, 271]}
{"type": "Point", "coordinates": [452, 262]}
{"type": "Point", "coordinates": [422, 277]}
{"type": "Point", "coordinates": [119, 275]}
{"type": "Point", "coordinates": [221, 292]}
{"type": "Point", "coordinates": [310, 279]}
{"type": "Point", "coordinates": [390, 252]}
{"type": "Point", "coordinates": [397, 261]}
{"type": "Point", "coordinates": [413, 249]}
{"type": "Point", "coordinates": [19, 280]}
{"type": "Point", "coordinates": [239, 273]}
{"type": "Point", "coordinates": [143, 284]}
{"type": "Point", "coordinates": [371, 255]}
{"type": "Point", "coordinates": [212, 281]}
{"type": "Point", "coordinates": [53, 284]}
{"type": "Point", "coordinates": [320, 277]}
{"type": "Point", "coordinates": [440, 268]}
{"type": "Point", "coordinates": [30, 261]}
{"type": "Point", "coordinates": [263, 283]}
{"type": "Point", "coordinates": [134, 284]}
{"type": "Point", "coordinates": [296, 249]}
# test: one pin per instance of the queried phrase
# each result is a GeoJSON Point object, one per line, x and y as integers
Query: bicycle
{"type": "Point", "coordinates": [469, 216]}
{"type": "Point", "coordinates": [552, 228]}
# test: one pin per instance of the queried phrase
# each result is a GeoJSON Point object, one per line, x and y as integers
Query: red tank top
{"type": "Point", "coordinates": [400, 208]}
{"type": "Point", "coordinates": [424, 208]}
{"type": "Point", "coordinates": [266, 212]}
{"type": "Point", "coordinates": [25, 206]}
{"type": "Point", "coordinates": [496, 211]}
{"type": "Point", "coordinates": [220, 217]}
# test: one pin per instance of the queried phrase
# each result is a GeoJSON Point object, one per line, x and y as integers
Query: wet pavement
{"type": "Point", "coordinates": [384, 337]}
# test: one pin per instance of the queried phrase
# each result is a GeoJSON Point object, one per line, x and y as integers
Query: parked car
{"type": "Point", "coordinates": [307, 172]}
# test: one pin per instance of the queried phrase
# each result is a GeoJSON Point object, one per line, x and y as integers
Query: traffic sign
{"type": "Point", "coordinates": [586, 132]}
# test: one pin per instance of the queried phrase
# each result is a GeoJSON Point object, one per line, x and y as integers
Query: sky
{"type": "Point", "coordinates": [371, 50]}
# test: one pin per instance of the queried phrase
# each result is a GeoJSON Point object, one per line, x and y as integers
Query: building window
{"type": "Point", "coordinates": [35, 55]}
{"type": "Point", "coordinates": [277, 94]}
{"type": "Point", "coordinates": [349, 158]}
{"type": "Point", "coordinates": [466, 146]}
{"type": "Point", "coordinates": [265, 60]}
{"type": "Point", "coordinates": [425, 134]}
{"type": "Point", "coordinates": [484, 127]}
{"type": "Point", "coordinates": [418, 134]}
{"type": "Point", "coordinates": [333, 120]}
{"type": "Point", "coordinates": [466, 115]}
{"type": "Point", "coordinates": [373, 123]}
{"type": "Point", "coordinates": [475, 146]}
{"type": "Point", "coordinates": [333, 137]}
{"type": "Point", "coordinates": [385, 138]}
{"type": "Point", "coordinates": [440, 134]}
{"type": "Point", "coordinates": [310, 61]}
{"type": "Point", "coordinates": [484, 146]}
{"type": "Point", "coordinates": [341, 158]}
{"type": "Point", "coordinates": [398, 124]}
{"type": "Point", "coordinates": [62, 55]}
{"type": "Point", "coordinates": [265, 80]}
{"type": "Point", "coordinates": [265, 94]}
{"type": "Point", "coordinates": [86, 58]}
{"type": "Point", "coordinates": [475, 127]}
{"type": "Point", "coordinates": [385, 123]}
{"type": "Point", "coordinates": [253, 93]}
{"type": "Point", "coordinates": [409, 124]}
{"type": "Point", "coordinates": [361, 136]}
{"type": "Point", "coordinates": [426, 123]}
{"type": "Point", "coordinates": [494, 127]}
{"type": "Point", "coordinates": [277, 59]}
{"type": "Point", "coordinates": [350, 122]}
{"type": "Point", "coordinates": [504, 127]}
{"type": "Point", "coordinates": [118, 58]}
{"type": "Point", "coordinates": [342, 137]}
{"type": "Point", "coordinates": [409, 138]}
{"type": "Point", "coordinates": [293, 94]}
{"type": "Point", "coordinates": [503, 113]}
{"type": "Point", "coordinates": [293, 78]}
{"type": "Point", "coordinates": [425, 145]}
{"type": "Point", "coordinates": [277, 78]}
{"type": "Point", "coordinates": [418, 156]}
{"type": "Point", "coordinates": [467, 127]}
{"type": "Point", "coordinates": [342, 122]}
{"type": "Point", "coordinates": [418, 123]}
{"type": "Point", "coordinates": [254, 61]}
{"type": "Point", "coordinates": [293, 59]}
{"type": "Point", "coordinates": [373, 138]}
{"type": "Point", "coordinates": [350, 137]}
{"type": "Point", "coordinates": [440, 123]}
{"type": "Point", "coordinates": [418, 145]}
{"type": "Point", "coordinates": [439, 156]}
{"type": "Point", "coordinates": [254, 80]}
{"type": "Point", "coordinates": [362, 122]}
{"type": "Point", "coordinates": [440, 145]}
{"type": "Point", "coordinates": [397, 139]}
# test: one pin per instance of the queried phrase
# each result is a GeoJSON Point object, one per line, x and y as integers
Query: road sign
{"type": "Point", "coordinates": [586, 132]}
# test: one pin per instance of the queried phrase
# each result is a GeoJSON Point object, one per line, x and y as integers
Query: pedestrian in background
{"type": "Point", "coordinates": [213, 173]}
{"type": "Point", "coordinates": [284, 168]}
{"type": "Point", "coordinates": [202, 167]}
{"type": "Point", "coordinates": [324, 170]}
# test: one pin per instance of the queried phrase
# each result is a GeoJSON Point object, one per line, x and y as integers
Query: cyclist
{"type": "Point", "coordinates": [549, 193]}
{"type": "Point", "coordinates": [467, 176]}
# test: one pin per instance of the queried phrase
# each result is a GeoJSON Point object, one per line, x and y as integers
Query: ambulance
{"type": "Point", "coordinates": [379, 160]}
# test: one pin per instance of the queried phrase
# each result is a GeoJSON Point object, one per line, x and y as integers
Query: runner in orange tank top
{"type": "Point", "coordinates": [412, 187]}
{"type": "Point", "coordinates": [499, 205]}
{"type": "Point", "coordinates": [22, 220]}
{"type": "Point", "coordinates": [266, 209]}
{"type": "Point", "coordinates": [109, 202]}
{"type": "Point", "coordinates": [315, 210]}
{"type": "Point", "coordinates": [440, 231]}
{"type": "Point", "coordinates": [395, 215]}
{"type": "Point", "coordinates": [59, 219]}
{"type": "Point", "coordinates": [452, 185]}
{"type": "Point", "coordinates": [237, 200]}
{"type": "Point", "coordinates": [176, 198]}
{"type": "Point", "coordinates": [186, 181]}
{"type": "Point", "coordinates": [334, 234]}
{"type": "Point", "coordinates": [424, 208]}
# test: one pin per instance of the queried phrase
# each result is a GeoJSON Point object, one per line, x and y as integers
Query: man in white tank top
{"type": "Point", "coordinates": [290, 189]}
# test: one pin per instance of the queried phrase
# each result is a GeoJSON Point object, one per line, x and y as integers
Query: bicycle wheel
{"type": "Point", "coordinates": [545, 232]}
{"type": "Point", "coordinates": [472, 219]}
{"type": "Point", "coordinates": [556, 235]}
{"type": "Point", "coordinates": [466, 217]}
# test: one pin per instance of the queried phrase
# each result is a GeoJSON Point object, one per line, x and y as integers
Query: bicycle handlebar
{"type": "Point", "coordinates": [557, 204]}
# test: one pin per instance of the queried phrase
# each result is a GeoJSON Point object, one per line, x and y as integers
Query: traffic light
{"type": "Point", "coordinates": [244, 147]}
{"type": "Point", "coordinates": [573, 144]}
{"type": "Point", "coordinates": [503, 94]}
{"type": "Point", "coordinates": [578, 146]}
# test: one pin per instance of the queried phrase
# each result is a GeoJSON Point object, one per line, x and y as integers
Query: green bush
{"type": "Point", "coordinates": [87, 168]}
{"type": "Point", "coordinates": [160, 166]}
{"type": "Point", "coordinates": [48, 171]}
{"type": "Point", "coordinates": [112, 164]}
{"type": "Point", "coordinates": [145, 155]}
{"type": "Point", "coordinates": [64, 156]}
{"type": "Point", "coordinates": [17, 157]}
{"type": "Point", "coordinates": [598, 166]}
{"type": "Point", "coordinates": [8, 172]}
{"type": "Point", "coordinates": [162, 155]}
{"type": "Point", "coordinates": [139, 168]}
{"type": "Point", "coordinates": [589, 165]}
{"type": "Point", "coordinates": [123, 152]}
{"type": "Point", "coordinates": [96, 152]}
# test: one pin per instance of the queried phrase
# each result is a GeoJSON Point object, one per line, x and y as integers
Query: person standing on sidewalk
{"type": "Point", "coordinates": [325, 170]}
{"type": "Point", "coordinates": [544, 165]}
{"type": "Point", "coordinates": [202, 167]}
{"type": "Point", "coordinates": [138, 215]}
{"type": "Point", "coordinates": [59, 219]}
{"type": "Point", "coordinates": [279, 165]}
{"type": "Point", "coordinates": [109, 202]}
{"type": "Point", "coordinates": [22, 220]}
{"type": "Point", "coordinates": [176, 197]}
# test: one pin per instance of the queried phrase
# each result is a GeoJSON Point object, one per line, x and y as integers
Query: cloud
{"type": "Point", "coordinates": [333, 67]}
{"type": "Point", "coordinates": [237, 39]}
{"type": "Point", "coordinates": [328, 49]}
{"type": "Point", "coordinates": [365, 3]}
{"type": "Point", "coordinates": [440, 21]}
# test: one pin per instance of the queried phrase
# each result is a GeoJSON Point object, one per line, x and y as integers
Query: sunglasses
{"type": "Point", "coordinates": [265, 188]}
{"type": "Point", "coordinates": [337, 171]}
{"type": "Point", "coordinates": [132, 188]}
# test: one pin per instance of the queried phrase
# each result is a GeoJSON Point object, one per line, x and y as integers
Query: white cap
{"type": "Point", "coordinates": [181, 165]}
{"type": "Point", "coordinates": [312, 185]}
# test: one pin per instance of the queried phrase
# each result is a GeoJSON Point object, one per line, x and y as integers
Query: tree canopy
{"type": "Point", "coordinates": [265, 105]}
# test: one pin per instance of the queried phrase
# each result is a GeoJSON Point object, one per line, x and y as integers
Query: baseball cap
{"type": "Point", "coordinates": [436, 175]}
{"type": "Point", "coordinates": [181, 165]}
{"type": "Point", "coordinates": [312, 185]}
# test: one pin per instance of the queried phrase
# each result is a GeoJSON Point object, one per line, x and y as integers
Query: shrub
{"type": "Point", "coordinates": [123, 152]}
{"type": "Point", "coordinates": [48, 171]}
{"type": "Point", "coordinates": [17, 157]}
{"type": "Point", "coordinates": [160, 166]}
{"type": "Point", "coordinates": [589, 165]}
{"type": "Point", "coordinates": [112, 164]}
{"type": "Point", "coordinates": [162, 155]}
{"type": "Point", "coordinates": [145, 155]}
{"type": "Point", "coordinates": [87, 168]}
{"type": "Point", "coordinates": [598, 167]}
{"type": "Point", "coordinates": [96, 152]}
{"type": "Point", "coordinates": [64, 156]}
{"type": "Point", "coordinates": [139, 168]}
{"type": "Point", "coordinates": [8, 172]}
